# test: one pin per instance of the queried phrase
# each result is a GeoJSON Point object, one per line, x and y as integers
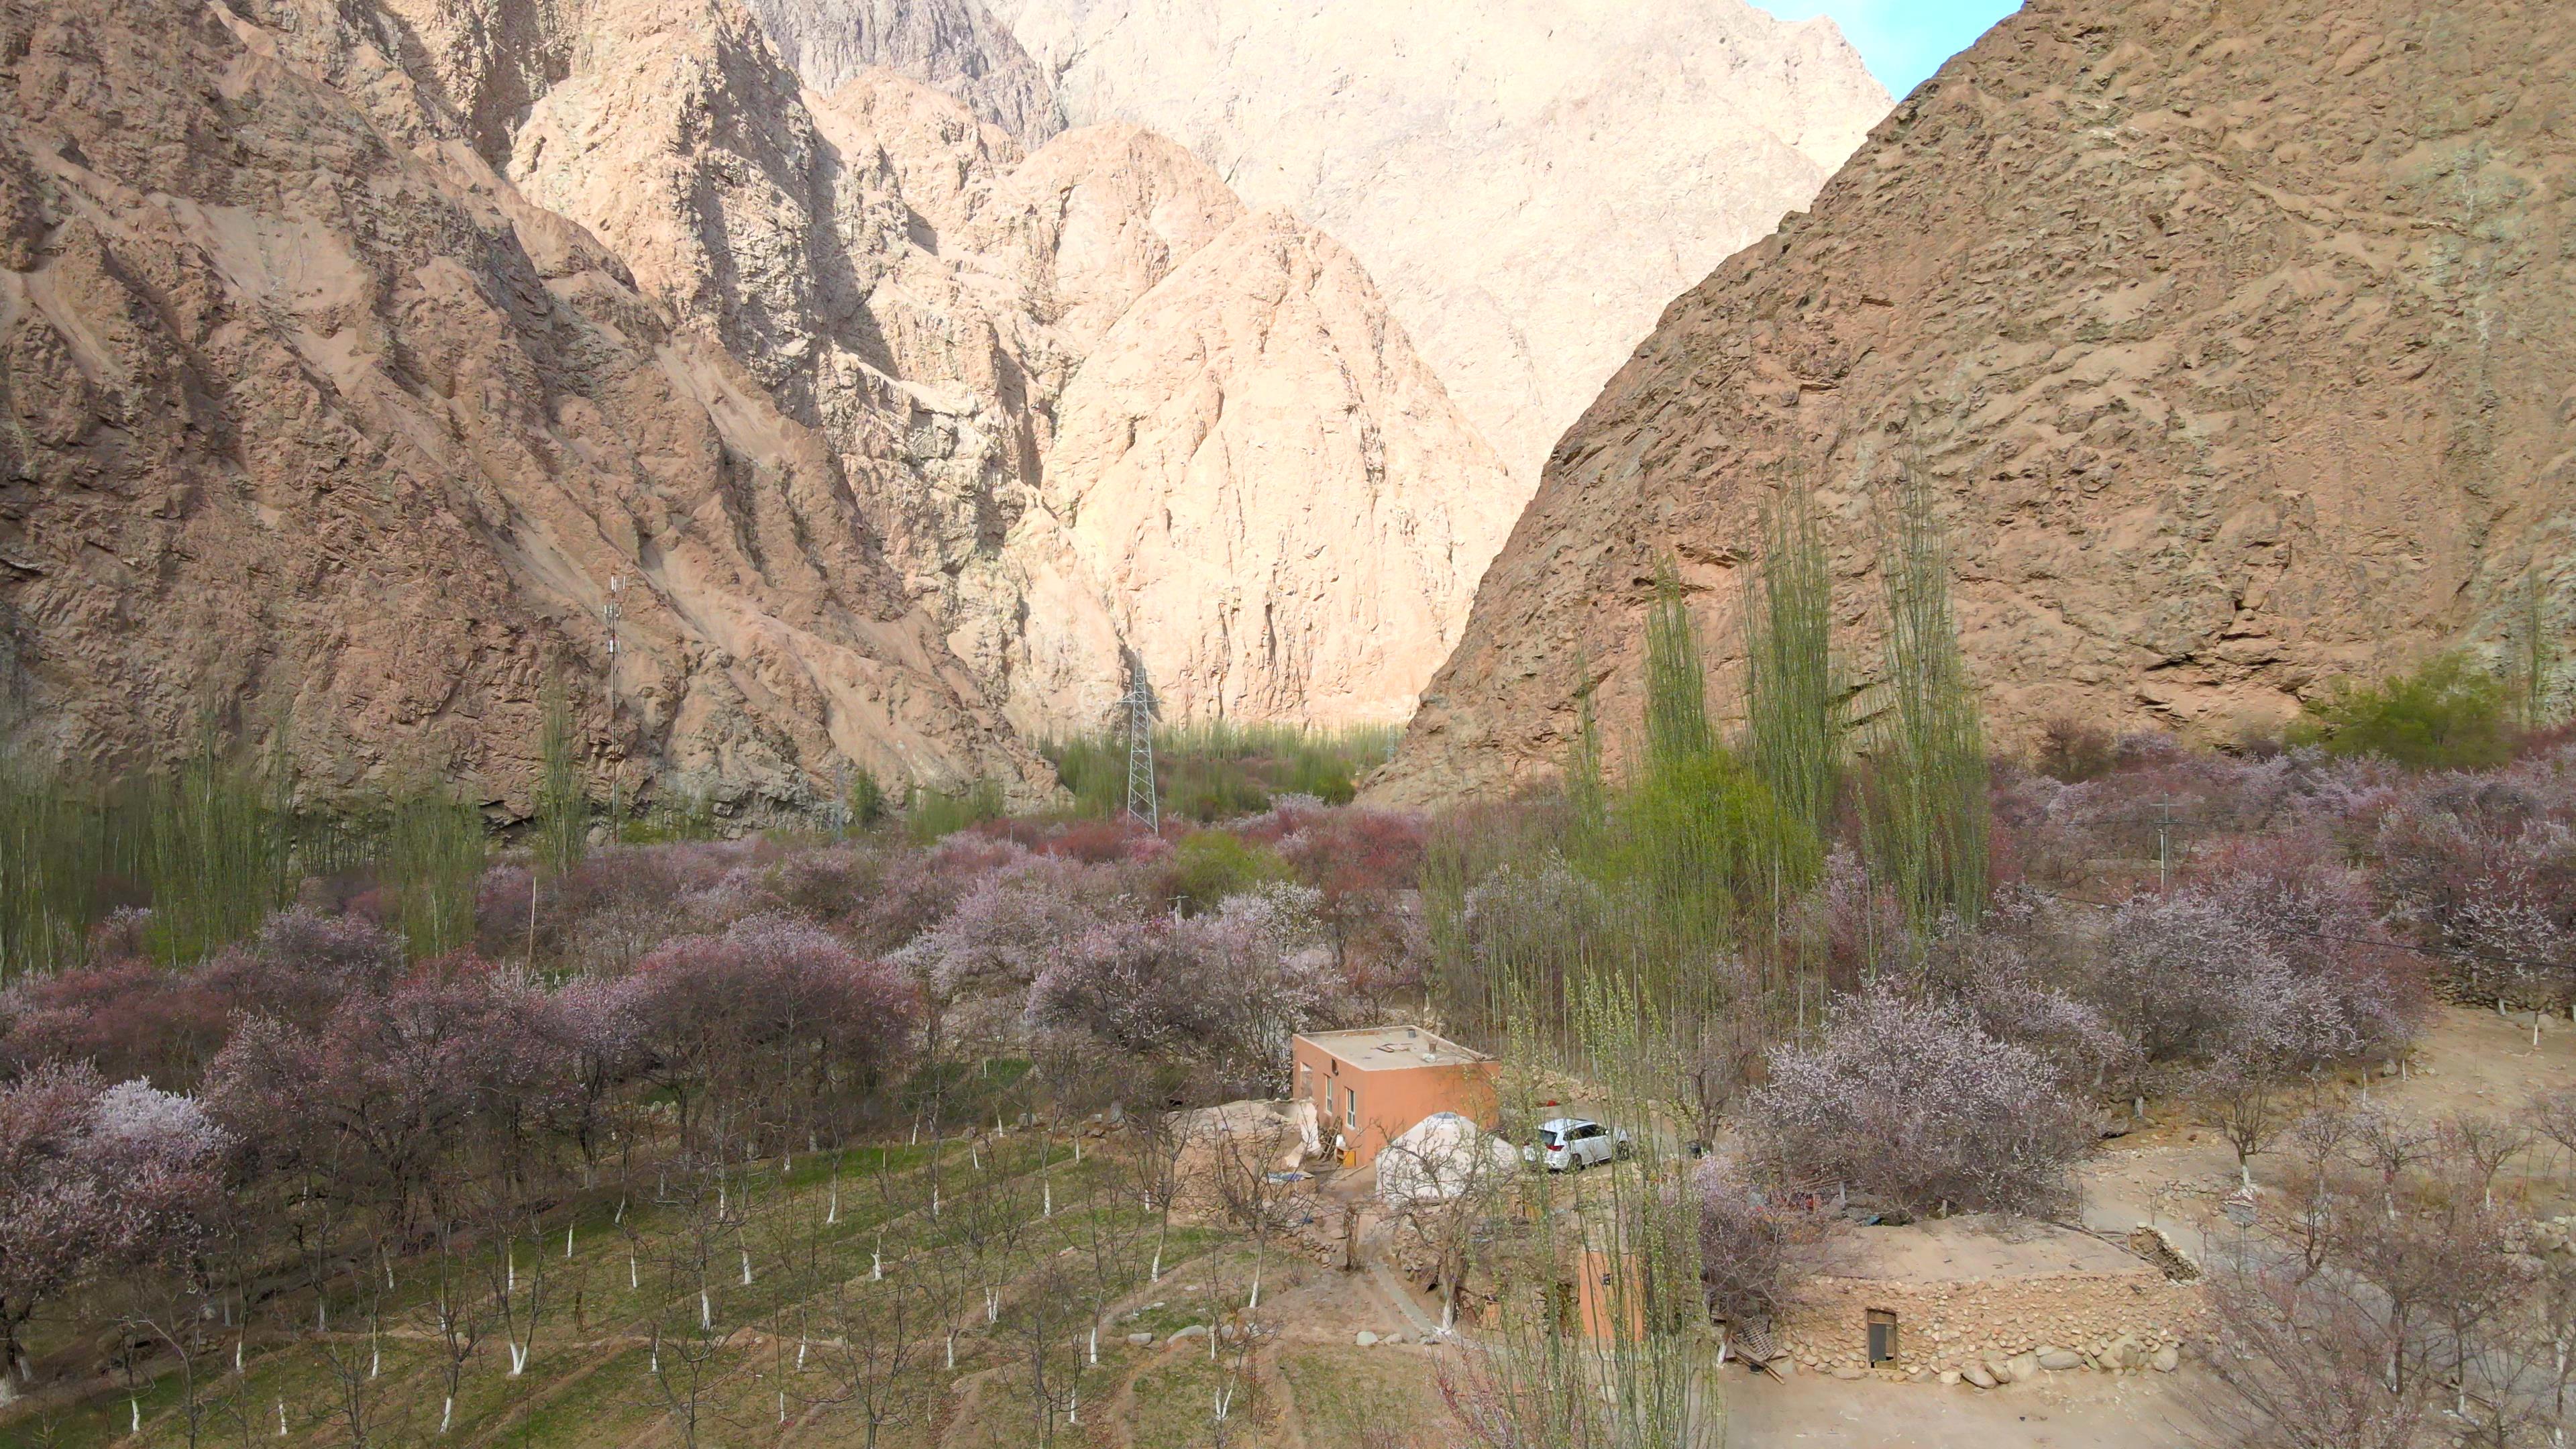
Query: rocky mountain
{"type": "Point", "coordinates": [955, 46]}
{"type": "Point", "coordinates": [316, 424]}
{"type": "Point", "coordinates": [354, 383]}
{"type": "Point", "coordinates": [1529, 181]}
{"type": "Point", "coordinates": [2233, 335]}
{"type": "Point", "coordinates": [1099, 405]}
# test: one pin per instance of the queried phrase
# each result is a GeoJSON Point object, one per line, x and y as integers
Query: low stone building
{"type": "Point", "coordinates": [1991, 1300]}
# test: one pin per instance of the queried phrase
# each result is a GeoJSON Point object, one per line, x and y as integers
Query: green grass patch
{"type": "Point", "coordinates": [1345, 1394]}
{"type": "Point", "coordinates": [1219, 770]}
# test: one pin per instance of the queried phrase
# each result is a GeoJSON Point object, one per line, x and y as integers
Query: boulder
{"type": "Point", "coordinates": [1366, 1339]}
{"type": "Point", "coordinates": [2166, 1359]}
{"type": "Point", "coordinates": [1141, 1340]}
{"type": "Point", "coordinates": [2060, 1358]}
{"type": "Point", "coordinates": [1976, 1374]}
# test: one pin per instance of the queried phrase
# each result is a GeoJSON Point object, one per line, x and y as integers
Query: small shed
{"type": "Point", "coordinates": [1371, 1086]}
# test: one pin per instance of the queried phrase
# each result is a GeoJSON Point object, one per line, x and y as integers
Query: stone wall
{"type": "Point", "coordinates": [1997, 1327]}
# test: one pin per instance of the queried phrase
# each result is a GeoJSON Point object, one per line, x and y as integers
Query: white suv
{"type": "Point", "coordinates": [1574, 1143]}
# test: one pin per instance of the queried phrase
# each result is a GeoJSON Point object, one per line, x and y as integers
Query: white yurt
{"type": "Point", "coordinates": [1440, 1157]}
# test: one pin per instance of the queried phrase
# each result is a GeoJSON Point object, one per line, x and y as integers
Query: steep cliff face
{"type": "Point", "coordinates": [2235, 335]}
{"type": "Point", "coordinates": [1096, 406]}
{"type": "Point", "coordinates": [1273, 492]}
{"type": "Point", "coordinates": [1529, 181]}
{"type": "Point", "coordinates": [315, 423]}
{"type": "Point", "coordinates": [954, 46]}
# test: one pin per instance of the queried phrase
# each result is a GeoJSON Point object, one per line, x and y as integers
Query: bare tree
{"type": "Point", "coordinates": [2301, 1362]}
{"type": "Point", "coordinates": [1445, 1190]}
{"type": "Point", "coordinates": [1158, 1137]}
{"type": "Point", "coordinates": [690, 1349]}
{"type": "Point", "coordinates": [1756, 1250]}
{"type": "Point", "coordinates": [1245, 1174]}
{"type": "Point", "coordinates": [2320, 1138]}
{"type": "Point", "coordinates": [2390, 1145]}
{"type": "Point", "coordinates": [2244, 1093]}
{"type": "Point", "coordinates": [2484, 1145]}
{"type": "Point", "coordinates": [2553, 1116]}
{"type": "Point", "coordinates": [879, 1348]}
{"type": "Point", "coordinates": [456, 1318]}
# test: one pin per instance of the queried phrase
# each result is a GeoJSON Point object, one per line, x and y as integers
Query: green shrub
{"type": "Point", "coordinates": [1218, 770]}
{"type": "Point", "coordinates": [433, 859]}
{"type": "Point", "coordinates": [2074, 752]}
{"type": "Point", "coordinates": [668, 822]}
{"type": "Point", "coordinates": [216, 844]}
{"type": "Point", "coordinates": [867, 798]}
{"type": "Point", "coordinates": [1704, 835]}
{"type": "Point", "coordinates": [2447, 715]}
{"type": "Point", "coordinates": [54, 846]}
{"type": "Point", "coordinates": [1211, 865]}
{"type": "Point", "coordinates": [562, 833]}
{"type": "Point", "coordinates": [936, 814]}
{"type": "Point", "coordinates": [1094, 771]}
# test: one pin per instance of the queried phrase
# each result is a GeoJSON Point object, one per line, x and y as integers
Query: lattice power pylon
{"type": "Point", "coordinates": [1144, 806]}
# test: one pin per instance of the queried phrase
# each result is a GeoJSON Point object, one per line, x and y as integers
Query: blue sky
{"type": "Point", "coordinates": [1903, 41]}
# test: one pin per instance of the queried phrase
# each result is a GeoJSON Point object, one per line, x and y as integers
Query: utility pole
{"type": "Point", "coordinates": [1144, 806]}
{"type": "Point", "coordinates": [2164, 846]}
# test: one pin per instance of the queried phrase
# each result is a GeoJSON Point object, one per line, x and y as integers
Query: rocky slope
{"type": "Point", "coordinates": [955, 46]}
{"type": "Point", "coordinates": [2234, 334]}
{"type": "Point", "coordinates": [1097, 404]}
{"type": "Point", "coordinates": [345, 384]}
{"type": "Point", "coordinates": [1528, 180]}
{"type": "Point", "coordinates": [316, 424]}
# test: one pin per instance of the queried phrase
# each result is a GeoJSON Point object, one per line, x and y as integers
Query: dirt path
{"type": "Point", "coordinates": [2177, 1173]}
{"type": "Point", "coordinates": [2060, 1411]}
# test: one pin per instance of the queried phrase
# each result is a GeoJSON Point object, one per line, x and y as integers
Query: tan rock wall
{"type": "Point", "coordinates": [2234, 339]}
{"type": "Point", "coordinates": [1096, 406]}
{"type": "Point", "coordinates": [1530, 181]}
{"type": "Point", "coordinates": [1946, 1325]}
{"type": "Point", "coordinates": [314, 426]}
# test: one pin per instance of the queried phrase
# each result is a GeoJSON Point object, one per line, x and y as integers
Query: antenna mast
{"type": "Point", "coordinates": [1144, 807]}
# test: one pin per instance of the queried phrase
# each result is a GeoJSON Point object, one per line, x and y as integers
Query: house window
{"type": "Point", "coordinates": [1351, 1109]}
{"type": "Point", "coordinates": [1882, 1336]}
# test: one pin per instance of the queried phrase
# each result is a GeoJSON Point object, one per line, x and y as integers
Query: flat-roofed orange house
{"type": "Point", "coordinates": [1369, 1086]}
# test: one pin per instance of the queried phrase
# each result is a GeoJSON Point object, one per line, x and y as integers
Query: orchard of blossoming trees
{"type": "Point", "coordinates": [321, 1145]}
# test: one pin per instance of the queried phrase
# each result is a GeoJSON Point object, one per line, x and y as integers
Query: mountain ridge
{"type": "Point", "coordinates": [2231, 335]}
